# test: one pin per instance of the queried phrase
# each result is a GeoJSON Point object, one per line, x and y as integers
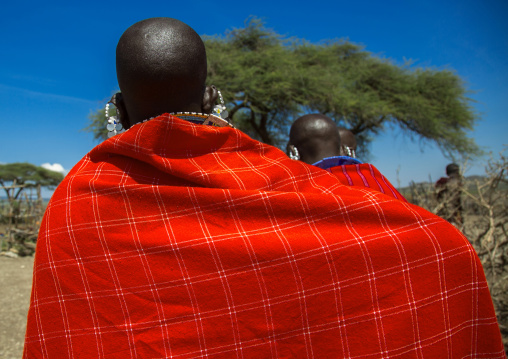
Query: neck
{"type": "Point", "coordinates": [137, 112]}
{"type": "Point", "coordinates": [142, 118]}
{"type": "Point", "coordinates": [317, 154]}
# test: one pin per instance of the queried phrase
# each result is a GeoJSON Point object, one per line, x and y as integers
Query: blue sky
{"type": "Point", "coordinates": [57, 64]}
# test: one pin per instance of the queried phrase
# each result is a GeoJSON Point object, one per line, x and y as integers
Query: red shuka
{"type": "Point", "coordinates": [179, 240]}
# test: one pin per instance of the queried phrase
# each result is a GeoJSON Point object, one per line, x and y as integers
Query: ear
{"type": "Point", "coordinates": [119, 103]}
{"type": "Point", "coordinates": [209, 98]}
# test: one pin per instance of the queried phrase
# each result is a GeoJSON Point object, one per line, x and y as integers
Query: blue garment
{"type": "Point", "coordinates": [334, 161]}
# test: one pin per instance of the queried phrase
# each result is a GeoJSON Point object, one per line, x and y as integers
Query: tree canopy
{"type": "Point", "coordinates": [269, 80]}
{"type": "Point", "coordinates": [14, 177]}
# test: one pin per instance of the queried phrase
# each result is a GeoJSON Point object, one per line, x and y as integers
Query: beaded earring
{"type": "Point", "coordinates": [349, 151]}
{"type": "Point", "coordinates": [220, 109]}
{"type": "Point", "coordinates": [114, 126]}
{"type": "Point", "coordinates": [293, 153]}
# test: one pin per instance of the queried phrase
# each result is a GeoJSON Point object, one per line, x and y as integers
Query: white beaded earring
{"type": "Point", "coordinates": [114, 126]}
{"type": "Point", "coordinates": [293, 153]}
{"type": "Point", "coordinates": [349, 151]}
{"type": "Point", "coordinates": [220, 109]}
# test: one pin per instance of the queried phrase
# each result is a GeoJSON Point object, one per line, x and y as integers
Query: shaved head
{"type": "Point", "coordinates": [315, 136]}
{"type": "Point", "coordinates": [161, 67]}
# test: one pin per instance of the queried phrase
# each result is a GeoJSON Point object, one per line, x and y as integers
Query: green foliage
{"type": "Point", "coordinates": [256, 73]}
{"type": "Point", "coordinates": [268, 80]}
{"type": "Point", "coordinates": [26, 175]}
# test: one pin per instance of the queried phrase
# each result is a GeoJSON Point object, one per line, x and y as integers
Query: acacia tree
{"type": "Point", "coordinates": [268, 80]}
{"type": "Point", "coordinates": [15, 177]}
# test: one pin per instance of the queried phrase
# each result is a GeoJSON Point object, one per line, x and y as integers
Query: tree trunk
{"type": "Point", "coordinates": [263, 130]}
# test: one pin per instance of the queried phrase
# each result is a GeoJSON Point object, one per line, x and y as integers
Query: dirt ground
{"type": "Point", "coordinates": [15, 284]}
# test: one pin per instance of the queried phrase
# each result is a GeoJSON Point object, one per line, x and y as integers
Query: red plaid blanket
{"type": "Point", "coordinates": [180, 240]}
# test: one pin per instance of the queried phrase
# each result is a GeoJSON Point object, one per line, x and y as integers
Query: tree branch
{"type": "Point", "coordinates": [237, 107]}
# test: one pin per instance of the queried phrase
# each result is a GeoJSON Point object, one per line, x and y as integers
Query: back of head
{"type": "Point", "coordinates": [315, 137]}
{"type": "Point", "coordinates": [161, 67]}
{"type": "Point", "coordinates": [453, 169]}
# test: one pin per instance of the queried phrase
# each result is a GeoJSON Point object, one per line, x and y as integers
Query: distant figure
{"type": "Point", "coordinates": [313, 137]}
{"type": "Point", "coordinates": [448, 195]}
{"type": "Point", "coordinates": [348, 142]}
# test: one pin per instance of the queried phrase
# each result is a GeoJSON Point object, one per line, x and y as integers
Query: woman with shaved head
{"type": "Point", "coordinates": [161, 68]}
{"type": "Point", "coordinates": [314, 136]}
{"type": "Point", "coordinates": [184, 238]}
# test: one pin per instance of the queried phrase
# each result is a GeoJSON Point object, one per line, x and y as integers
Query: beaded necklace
{"type": "Point", "coordinates": [115, 127]}
{"type": "Point", "coordinates": [217, 119]}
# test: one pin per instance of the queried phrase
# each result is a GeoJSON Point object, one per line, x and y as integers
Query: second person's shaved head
{"type": "Point", "coordinates": [315, 136]}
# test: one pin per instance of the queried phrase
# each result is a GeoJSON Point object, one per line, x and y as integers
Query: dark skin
{"type": "Point", "coordinates": [453, 170]}
{"type": "Point", "coordinates": [347, 138]}
{"type": "Point", "coordinates": [315, 136]}
{"type": "Point", "coordinates": [161, 68]}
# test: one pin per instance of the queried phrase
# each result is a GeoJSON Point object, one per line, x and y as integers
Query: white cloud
{"type": "Point", "coordinates": [57, 167]}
